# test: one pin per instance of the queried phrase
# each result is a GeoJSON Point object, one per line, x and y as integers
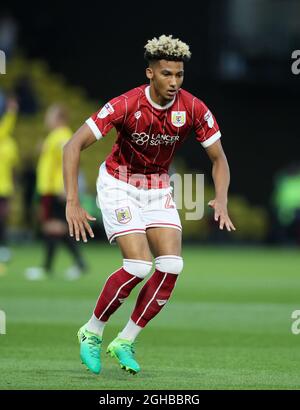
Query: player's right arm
{"type": "Point", "coordinates": [76, 216]}
{"type": "Point", "coordinates": [95, 128]}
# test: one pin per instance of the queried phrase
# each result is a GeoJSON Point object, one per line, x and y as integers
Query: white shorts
{"type": "Point", "coordinates": [127, 209]}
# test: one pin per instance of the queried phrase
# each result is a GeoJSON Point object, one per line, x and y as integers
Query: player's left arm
{"type": "Point", "coordinates": [221, 177]}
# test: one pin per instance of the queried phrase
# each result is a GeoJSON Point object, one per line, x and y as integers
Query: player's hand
{"type": "Point", "coordinates": [77, 219]}
{"type": "Point", "coordinates": [221, 214]}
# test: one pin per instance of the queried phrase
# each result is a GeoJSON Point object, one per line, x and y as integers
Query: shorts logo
{"type": "Point", "coordinates": [209, 119]}
{"type": "Point", "coordinates": [123, 215]}
{"type": "Point", "coordinates": [178, 118]}
{"type": "Point", "coordinates": [138, 114]}
{"type": "Point", "coordinates": [106, 110]}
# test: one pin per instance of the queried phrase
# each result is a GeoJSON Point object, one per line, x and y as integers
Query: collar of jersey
{"type": "Point", "coordinates": [157, 106]}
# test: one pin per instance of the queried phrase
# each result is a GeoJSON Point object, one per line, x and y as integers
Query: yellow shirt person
{"type": "Point", "coordinates": [8, 160]}
{"type": "Point", "coordinates": [50, 189]}
{"type": "Point", "coordinates": [9, 155]}
{"type": "Point", "coordinates": [49, 168]}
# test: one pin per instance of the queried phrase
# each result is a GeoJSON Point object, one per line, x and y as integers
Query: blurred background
{"type": "Point", "coordinates": [241, 67]}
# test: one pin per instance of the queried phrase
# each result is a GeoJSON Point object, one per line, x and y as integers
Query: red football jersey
{"type": "Point", "coordinates": [150, 134]}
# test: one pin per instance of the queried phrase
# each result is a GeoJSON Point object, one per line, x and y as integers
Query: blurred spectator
{"type": "Point", "coordinates": [27, 99]}
{"type": "Point", "coordinates": [2, 102]}
{"type": "Point", "coordinates": [8, 34]}
{"type": "Point", "coordinates": [50, 189]}
{"type": "Point", "coordinates": [286, 201]}
{"type": "Point", "coordinates": [28, 182]}
{"type": "Point", "coordinates": [8, 160]}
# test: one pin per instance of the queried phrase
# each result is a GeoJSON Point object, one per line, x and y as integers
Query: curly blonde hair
{"type": "Point", "coordinates": [167, 48]}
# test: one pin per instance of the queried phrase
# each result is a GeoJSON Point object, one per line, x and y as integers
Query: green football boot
{"type": "Point", "coordinates": [123, 351]}
{"type": "Point", "coordinates": [90, 349]}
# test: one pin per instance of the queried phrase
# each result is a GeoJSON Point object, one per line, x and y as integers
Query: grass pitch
{"type": "Point", "coordinates": [227, 325]}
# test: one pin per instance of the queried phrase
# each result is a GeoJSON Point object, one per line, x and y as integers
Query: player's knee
{"type": "Point", "coordinates": [137, 267]}
{"type": "Point", "coordinates": [169, 263]}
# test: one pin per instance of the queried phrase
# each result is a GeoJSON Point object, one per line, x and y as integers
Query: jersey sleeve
{"type": "Point", "coordinates": [205, 124]}
{"type": "Point", "coordinates": [112, 114]}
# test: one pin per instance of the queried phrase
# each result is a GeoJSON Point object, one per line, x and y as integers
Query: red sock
{"type": "Point", "coordinates": [153, 296]}
{"type": "Point", "coordinates": [117, 287]}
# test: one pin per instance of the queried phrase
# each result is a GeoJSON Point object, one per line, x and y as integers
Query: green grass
{"type": "Point", "coordinates": [227, 326]}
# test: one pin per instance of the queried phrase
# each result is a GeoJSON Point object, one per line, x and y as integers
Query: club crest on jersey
{"type": "Point", "coordinates": [178, 118]}
{"type": "Point", "coordinates": [209, 119]}
{"type": "Point", "coordinates": [123, 215]}
{"type": "Point", "coordinates": [106, 110]}
{"type": "Point", "coordinates": [138, 114]}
